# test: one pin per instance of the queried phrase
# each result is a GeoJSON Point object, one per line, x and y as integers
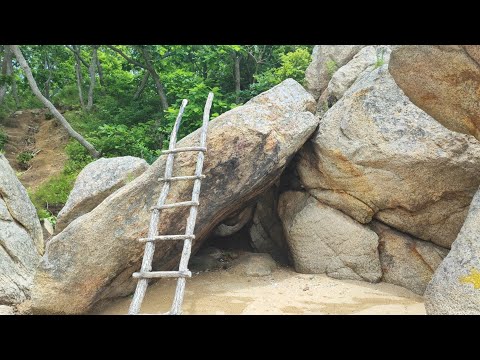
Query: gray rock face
{"type": "Point", "coordinates": [253, 265]}
{"type": "Point", "coordinates": [96, 182]}
{"type": "Point", "coordinates": [326, 59]}
{"type": "Point", "coordinates": [323, 240]}
{"type": "Point", "coordinates": [367, 59]}
{"type": "Point", "coordinates": [266, 232]}
{"type": "Point", "coordinates": [455, 287]}
{"type": "Point", "coordinates": [21, 238]}
{"type": "Point", "coordinates": [6, 310]}
{"type": "Point", "coordinates": [376, 154]}
{"type": "Point", "coordinates": [235, 223]}
{"type": "Point", "coordinates": [248, 148]}
{"type": "Point", "coordinates": [442, 80]}
{"type": "Point", "coordinates": [406, 261]}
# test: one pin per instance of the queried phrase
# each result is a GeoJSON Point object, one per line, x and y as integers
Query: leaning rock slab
{"type": "Point", "coordinates": [95, 183]}
{"type": "Point", "coordinates": [376, 154]}
{"type": "Point", "coordinates": [455, 287]}
{"type": "Point", "coordinates": [325, 60]}
{"type": "Point", "coordinates": [444, 81]}
{"type": "Point", "coordinates": [406, 261]}
{"type": "Point", "coordinates": [21, 238]}
{"type": "Point", "coordinates": [323, 240]}
{"type": "Point", "coordinates": [248, 148]}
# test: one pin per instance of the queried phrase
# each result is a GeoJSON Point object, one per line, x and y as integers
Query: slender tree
{"type": "Point", "coordinates": [28, 74]}
{"type": "Point", "coordinates": [147, 65]}
{"type": "Point", "coordinates": [91, 71]}
{"type": "Point", "coordinates": [6, 72]}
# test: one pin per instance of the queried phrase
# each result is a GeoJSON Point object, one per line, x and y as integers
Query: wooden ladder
{"type": "Point", "coordinates": [146, 272]}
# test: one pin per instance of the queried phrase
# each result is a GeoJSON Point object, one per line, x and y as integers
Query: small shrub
{"type": "Point", "coordinates": [331, 67]}
{"type": "Point", "coordinates": [3, 139]}
{"type": "Point", "coordinates": [24, 159]}
{"type": "Point", "coordinates": [50, 197]}
{"type": "Point", "coordinates": [380, 60]}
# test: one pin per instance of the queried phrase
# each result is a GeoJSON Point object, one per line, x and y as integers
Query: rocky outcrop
{"type": "Point", "coordinates": [21, 238]}
{"type": "Point", "coordinates": [326, 59]}
{"type": "Point", "coordinates": [406, 261]}
{"type": "Point", "coordinates": [248, 148]}
{"type": "Point", "coordinates": [444, 81]}
{"type": "Point", "coordinates": [266, 231]}
{"type": "Point", "coordinates": [455, 287]}
{"type": "Point", "coordinates": [323, 240]}
{"type": "Point", "coordinates": [377, 155]}
{"type": "Point", "coordinates": [367, 59]}
{"type": "Point", "coordinates": [95, 183]}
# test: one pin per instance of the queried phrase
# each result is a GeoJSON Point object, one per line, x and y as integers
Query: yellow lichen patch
{"type": "Point", "coordinates": [473, 278]}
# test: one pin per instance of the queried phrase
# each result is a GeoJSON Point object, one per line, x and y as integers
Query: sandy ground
{"type": "Point", "coordinates": [283, 292]}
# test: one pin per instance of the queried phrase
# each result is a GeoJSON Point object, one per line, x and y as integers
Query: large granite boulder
{"type": "Point", "coordinates": [323, 240]}
{"type": "Point", "coordinates": [455, 287]}
{"type": "Point", "coordinates": [377, 155]}
{"type": "Point", "coordinates": [95, 183]}
{"type": "Point", "coordinates": [21, 238]}
{"type": "Point", "coordinates": [406, 261]}
{"type": "Point", "coordinates": [442, 80]}
{"type": "Point", "coordinates": [248, 148]}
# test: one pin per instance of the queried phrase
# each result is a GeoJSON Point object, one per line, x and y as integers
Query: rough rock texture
{"type": "Point", "coordinates": [21, 238]}
{"type": "Point", "coordinates": [377, 154]}
{"type": "Point", "coordinates": [326, 58]}
{"type": "Point", "coordinates": [444, 81]}
{"type": "Point", "coordinates": [248, 147]}
{"type": "Point", "coordinates": [234, 223]}
{"type": "Point", "coordinates": [266, 232]}
{"type": "Point", "coordinates": [95, 183]}
{"type": "Point", "coordinates": [406, 261]}
{"type": "Point", "coordinates": [6, 310]}
{"type": "Point", "coordinates": [253, 264]}
{"type": "Point", "coordinates": [367, 59]}
{"type": "Point", "coordinates": [455, 287]}
{"type": "Point", "coordinates": [18, 203]}
{"type": "Point", "coordinates": [324, 240]}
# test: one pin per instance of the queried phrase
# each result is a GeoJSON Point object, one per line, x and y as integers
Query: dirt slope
{"type": "Point", "coordinates": [29, 130]}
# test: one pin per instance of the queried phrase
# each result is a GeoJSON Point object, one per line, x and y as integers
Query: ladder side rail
{"type": "Point", "coordinates": [142, 284]}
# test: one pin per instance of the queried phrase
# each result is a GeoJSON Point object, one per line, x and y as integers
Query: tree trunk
{"type": "Point", "coordinates": [91, 71]}
{"type": "Point", "coordinates": [14, 92]}
{"type": "Point", "coordinates": [28, 73]}
{"type": "Point", "coordinates": [100, 72]}
{"type": "Point", "coordinates": [156, 79]}
{"type": "Point", "coordinates": [6, 72]}
{"type": "Point", "coordinates": [142, 85]}
{"type": "Point", "coordinates": [78, 70]}
{"type": "Point", "coordinates": [47, 83]}
{"type": "Point", "coordinates": [237, 77]}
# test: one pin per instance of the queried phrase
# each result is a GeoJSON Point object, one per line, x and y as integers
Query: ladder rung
{"type": "Point", "coordinates": [177, 178]}
{"type": "Point", "coordinates": [182, 149]}
{"type": "Point", "coordinates": [168, 237]}
{"type": "Point", "coordinates": [162, 274]}
{"type": "Point", "coordinates": [174, 205]}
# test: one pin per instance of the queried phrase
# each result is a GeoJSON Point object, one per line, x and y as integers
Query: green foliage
{"type": "Point", "coordinates": [380, 60]}
{"type": "Point", "coordinates": [3, 139]}
{"type": "Point", "coordinates": [121, 124]}
{"type": "Point", "coordinates": [24, 158]}
{"type": "Point", "coordinates": [52, 193]}
{"type": "Point", "coordinates": [331, 67]}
